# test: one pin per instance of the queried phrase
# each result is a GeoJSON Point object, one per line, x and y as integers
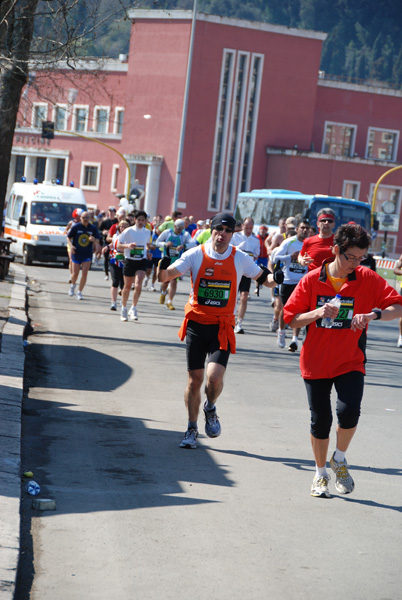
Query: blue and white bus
{"type": "Point", "coordinates": [266, 207]}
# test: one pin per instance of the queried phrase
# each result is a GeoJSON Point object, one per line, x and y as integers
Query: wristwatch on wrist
{"type": "Point", "coordinates": [378, 313]}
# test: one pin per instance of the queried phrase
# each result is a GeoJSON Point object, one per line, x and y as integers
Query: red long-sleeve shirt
{"type": "Point", "coordinates": [327, 353]}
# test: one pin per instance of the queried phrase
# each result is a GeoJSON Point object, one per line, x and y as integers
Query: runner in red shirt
{"type": "Point", "coordinates": [336, 356]}
{"type": "Point", "coordinates": [319, 247]}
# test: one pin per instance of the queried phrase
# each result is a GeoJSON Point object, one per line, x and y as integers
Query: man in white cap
{"type": "Point", "coordinates": [174, 242]}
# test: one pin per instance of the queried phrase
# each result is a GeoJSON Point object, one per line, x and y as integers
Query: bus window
{"type": "Point", "coordinates": [345, 212]}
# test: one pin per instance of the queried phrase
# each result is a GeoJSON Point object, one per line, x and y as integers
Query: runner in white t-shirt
{"type": "Point", "coordinates": [135, 242]}
{"type": "Point", "coordinates": [248, 242]}
{"type": "Point", "coordinates": [287, 254]}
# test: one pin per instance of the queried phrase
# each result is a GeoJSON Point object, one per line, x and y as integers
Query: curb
{"type": "Point", "coordinates": [12, 361]}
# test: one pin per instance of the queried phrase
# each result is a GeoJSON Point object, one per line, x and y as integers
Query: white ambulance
{"type": "Point", "coordinates": [36, 216]}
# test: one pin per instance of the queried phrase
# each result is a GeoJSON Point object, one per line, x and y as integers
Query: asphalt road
{"type": "Point", "coordinates": [137, 517]}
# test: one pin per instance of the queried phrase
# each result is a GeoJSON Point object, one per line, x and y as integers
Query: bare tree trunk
{"type": "Point", "coordinates": [16, 29]}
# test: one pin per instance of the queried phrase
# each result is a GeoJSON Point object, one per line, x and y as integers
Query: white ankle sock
{"type": "Point", "coordinates": [339, 456]}
{"type": "Point", "coordinates": [320, 471]}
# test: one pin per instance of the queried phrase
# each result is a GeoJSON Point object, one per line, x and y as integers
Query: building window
{"type": "Point", "coordinates": [221, 127]}
{"type": "Point", "coordinates": [339, 139]}
{"type": "Point", "coordinates": [118, 121]}
{"type": "Point", "coordinates": [40, 168]}
{"type": "Point", "coordinates": [101, 119]}
{"type": "Point", "coordinates": [90, 176]}
{"type": "Point", "coordinates": [19, 167]}
{"type": "Point", "coordinates": [39, 115]}
{"type": "Point", "coordinates": [60, 118]}
{"type": "Point", "coordinates": [351, 189]}
{"type": "Point", "coordinates": [382, 144]}
{"type": "Point", "coordinates": [115, 178]}
{"type": "Point", "coordinates": [80, 118]}
{"type": "Point", "coordinates": [60, 169]}
{"type": "Point", "coordinates": [236, 129]}
{"type": "Point", "coordinates": [251, 124]}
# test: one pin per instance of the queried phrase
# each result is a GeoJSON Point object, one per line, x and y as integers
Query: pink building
{"type": "Point", "coordinates": [258, 113]}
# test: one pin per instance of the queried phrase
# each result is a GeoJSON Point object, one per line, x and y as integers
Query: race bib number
{"type": "Point", "coordinates": [344, 318]}
{"type": "Point", "coordinates": [296, 267]}
{"type": "Point", "coordinates": [212, 292]}
{"type": "Point", "coordinates": [137, 252]}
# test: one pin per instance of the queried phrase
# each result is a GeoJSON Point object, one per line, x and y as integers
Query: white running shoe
{"type": "Point", "coordinates": [71, 291]}
{"type": "Point", "coordinates": [399, 344]}
{"type": "Point", "coordinates": [281, 338]}
{"type": "Point", "coordinates": [123, 314]}
{"type": "Point", "coordinates": [132, 313]}
{"type": "Point", "coordinates": [144, 285]}
{"type": "Point", "coordinates": [152, 288]}
{"type": "Point", "coordinates": [106, 277]}
{"type": "Point", "coordinates": [238, 328]}
{"type": "Point", "coordinates": [319, 488]}
{"type": "Point", "coordinates": [79, 295]}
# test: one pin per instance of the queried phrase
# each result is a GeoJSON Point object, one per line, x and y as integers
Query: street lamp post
{"type": "Point", "coordinates": [185, 105]}
{"type": "Point", "coordinates": [373, 203]}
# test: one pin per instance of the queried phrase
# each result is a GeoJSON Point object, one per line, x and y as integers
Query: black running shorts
{"type": "Point", "coordinates": [202, 343]}
{"type": "Point", "coordinates": [245, 283]}
{"type": "Point", "coordinates": [132, 266]}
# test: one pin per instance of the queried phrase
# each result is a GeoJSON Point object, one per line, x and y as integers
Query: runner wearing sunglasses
{"type": "Point", "coordinates": [216, 269]}
{"type": "Point", "coordinates": [318, 248]}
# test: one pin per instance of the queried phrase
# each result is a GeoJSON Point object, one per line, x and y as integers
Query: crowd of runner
{"type": "Point", "coordinates": [304, 270]}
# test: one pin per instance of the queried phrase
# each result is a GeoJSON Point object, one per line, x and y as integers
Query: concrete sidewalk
{"type": "Point", "coordinates": [13, 320]}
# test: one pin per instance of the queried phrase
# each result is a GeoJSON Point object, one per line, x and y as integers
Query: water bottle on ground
{"type": "Point", "coordinates": [33, 488]}
{"type": "Point", "coordinates": [327, 322]}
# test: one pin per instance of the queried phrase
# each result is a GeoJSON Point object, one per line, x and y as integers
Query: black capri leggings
{"type": "Point", "coordinates": [117, 276]}
{"type": "Point", "coordinates": [349, 387]}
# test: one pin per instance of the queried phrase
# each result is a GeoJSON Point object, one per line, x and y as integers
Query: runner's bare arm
{"type": "Point", "coordinates": [303, 319]}
{"type": "Point", "coordinates": [167, 274]}
{"type": "Point", "coordinates": [388, 314]}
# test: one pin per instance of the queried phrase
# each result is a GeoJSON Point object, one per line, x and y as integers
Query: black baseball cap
{"type": "Point", "coordinates": [223, 218]}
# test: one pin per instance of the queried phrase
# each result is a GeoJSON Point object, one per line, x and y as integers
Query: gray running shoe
{"type": "Point", "coordinates": [274, 325]}
{"type": "Point", "coordinates": [71, 291]}
{"type": "Point", "coordinates": [212, 425]}
{"type": "Point", "coordinates": [319, 488]}
{"type": "Point", "coordinates": [344, 482]}
{"type": "Point", "coordinates": [190, 439]}
{"type": "Point", "coordinates": [281, 339]}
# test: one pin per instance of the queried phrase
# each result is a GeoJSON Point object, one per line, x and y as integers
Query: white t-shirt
{"type": "Point", "coordinates": [249, 244]}
{"type": "Point", "coordinates": [192, 260]}
{"type": "Point", "coordinates": [141, 237]}
{"type": "Point", "coordinates": [293, 271]}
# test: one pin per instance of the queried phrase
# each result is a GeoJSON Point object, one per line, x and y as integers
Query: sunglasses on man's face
{"type": "Point", "coordinates": [326, 221]}
{"type": "Point", "coordinates": [225, 229]}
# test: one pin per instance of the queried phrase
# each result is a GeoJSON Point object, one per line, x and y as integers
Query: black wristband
{"type": "Point", "coordinates": [378, 313]}
{"type": "Point", "coordinates": [164, 263]}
